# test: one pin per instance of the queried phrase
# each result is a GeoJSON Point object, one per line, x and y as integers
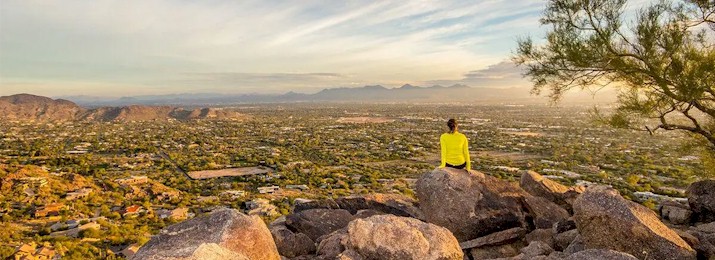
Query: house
{"type": "Point", "coordinates": [268, 189]}
{"type": "Point", "coordinates": [33, 181]}
{"type": "Point", "coordinates": [261, 207]}
{"type": "Point", "coordinates": [130, 251]}
{"type": "Point", "coordinates": [176, 214]}
{"type": "Point", "coordinates": [234, 194]}
{"type": "Point", "coordinates": [74, 232]}
{"type": "Point", "coordinates": [52, 209]}
{"type": "Point", "coordinates": [25, 251]}
{"type": "Point", "coordinates": [30, 251]}
{"type": "Point", "coordinates": [133, 180]}
{"type": "Point", "coordinates": [78, 194]}
{"type": "Point", "coordinates": [132, 210]}
{"type": "Point", "coordinates": [297, 187]}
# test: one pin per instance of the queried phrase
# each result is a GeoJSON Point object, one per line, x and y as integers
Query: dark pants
{"type": "Point", "coordinates": [461, 166]}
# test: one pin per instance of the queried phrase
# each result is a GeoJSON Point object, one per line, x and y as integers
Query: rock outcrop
{"type": "Point", "coordinates": [701, 197]}
{"type": "Point", "coordinates": [539, 186]}
{"type": "Point", "coordinates": [393, 237]}
{"type": "Point", "coordinates": [470, 204]}
{"type": "Point", "coordinates": [606, 220]}
{"type": "Point", "coordinates": [224, 234]}
{"type": "Point", "coordinates": [394, 204]}
{"type": "Point", "coordinates": [492, 218]}
{"type": "Point", "coordinates": [31, 107]}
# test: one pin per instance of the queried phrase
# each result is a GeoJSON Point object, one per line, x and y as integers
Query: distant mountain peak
{"type": "Point", "coordinates": [408, 86]}
{"type": "Point", "coordinates": [459, 86]}
{"type": "Point", "coordinates": [374, 87]}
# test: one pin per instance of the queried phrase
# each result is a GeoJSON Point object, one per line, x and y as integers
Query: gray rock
{"type": "Point", "coordinates": [223, 234]}
{"type": "Point", "coordinates": [606, 220]}
{"type": "Point", "coordinates": [498, 238]}
{"type": "Point", "coordinates": [563, 240]}
{"type": "Point", "coordinates": [544, 235]}
{"type": "Point", "coordinates": [393, 237]}
{"type": "Point", "coordinates": [577, 245]}
{"type": "Point", "coordinates": [705, 228]}
{"type": "Point", "coordinates": [536, 248]}
{"type": "Point", "coordinates": [470, 204]}
{"type": "Point", "coordinates": [491, 252]}
{"type": "Point", "coordinates": [601, 254]}
{"type": "Point", "coordinates": [563, 226]}
{"type": "Point", "coordinates": [544, 212]}
{"type": "Point", "coordinates": [331, 245]}
{"type": "Point", "coordinates": [395, 204]}
{"type": "Point", "coordinates": [701, 197]}
{"type": "Point", "coordinates": [675, 213]}
{"type": "Point", "coordinates": [318, 222]}
{"type": "Point", "coordinates": [703, 243]}
{"type": "Point", "coordinates": [364, 213]}
{"type": "Point", "coordinates": [291, 244]}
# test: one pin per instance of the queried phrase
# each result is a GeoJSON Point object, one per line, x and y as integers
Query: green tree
{"type": "Point", "coordinates": [661, 60]}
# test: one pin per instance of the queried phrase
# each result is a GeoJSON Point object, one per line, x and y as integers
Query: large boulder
{"type": "Point", "coordinates": [291, 244]}
{"type": "Point", "coordinates": [539, 186]}
{"type": "Point", "coordinates": [701, 197]}
{"type": "Point", "coordinates": [395, 204]}
{"type": "Point", "coordinates": [223, 234]}
{"type": "Point", "coordinates": [469, 203]}
{"type": "Point", "coordinates": [318, 222]}
{"type": "Point", "coordinates": [392, 237]}
{"type": "Point", "coordinates": [605, 220]}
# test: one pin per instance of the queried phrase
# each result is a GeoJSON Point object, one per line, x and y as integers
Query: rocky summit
{"type": "Point", "coordinates": [458, 214]}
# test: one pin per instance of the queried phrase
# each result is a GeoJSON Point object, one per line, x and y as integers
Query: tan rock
{"type": "Point", "coordinates": [470, 204]}
{"type": "Point", "coordinates": [212, 237]}
{"type": "Point", "coordinates": [605, 220]}
{"type": "Point", "coordinates": [537, 185]}
{"type": "Point", "coordinates": [392, 237]}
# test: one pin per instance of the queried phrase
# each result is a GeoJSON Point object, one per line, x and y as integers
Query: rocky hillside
{"type": "Point", "coordinates": [26, 107]}
{"type": "Point", "coordinates": [31, 107]}
{"type": "Point", "coordinates": [459, 215]}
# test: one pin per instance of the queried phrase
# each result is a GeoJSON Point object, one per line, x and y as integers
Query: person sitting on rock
{"type": "Point", "coordinates": [455, 148]}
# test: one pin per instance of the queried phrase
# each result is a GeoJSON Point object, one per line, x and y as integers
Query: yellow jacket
{"type": "Point", "coordinates": [455, 149]}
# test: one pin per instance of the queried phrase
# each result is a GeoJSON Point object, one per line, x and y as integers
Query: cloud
{"type": "Point", "coordinates": [166, 46]}
{"type": "Point", "coordinates": [258, 81]}
{"type": "Point", "coordinates": [502, 74]}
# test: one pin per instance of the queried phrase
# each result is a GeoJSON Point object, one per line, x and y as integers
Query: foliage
{"type": "Point", "coordinates": [662, 61]}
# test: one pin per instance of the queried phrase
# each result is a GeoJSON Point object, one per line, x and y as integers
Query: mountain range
{"type": "Point", "coordinates": [366, 94]}
{"type": "Point", "coordinates": [38, 108]}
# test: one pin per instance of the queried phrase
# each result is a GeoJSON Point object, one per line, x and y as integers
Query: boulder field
{"type": "Point", "coordinates": [458, 215]}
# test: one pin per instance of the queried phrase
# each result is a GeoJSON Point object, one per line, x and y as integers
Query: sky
{"type": "Point", "coordinates": [127, 48]}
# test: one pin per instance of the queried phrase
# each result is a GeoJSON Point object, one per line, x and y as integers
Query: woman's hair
{"type": "Point", "coordinates": [452, 124]}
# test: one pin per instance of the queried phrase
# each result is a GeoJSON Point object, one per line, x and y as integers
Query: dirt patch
{"type": "Point", "coordinates": [231, 172]}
